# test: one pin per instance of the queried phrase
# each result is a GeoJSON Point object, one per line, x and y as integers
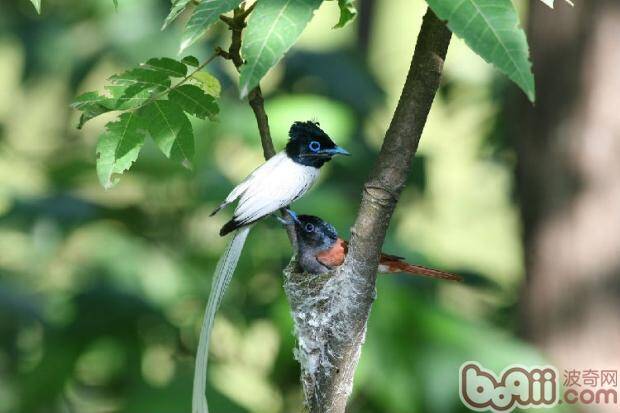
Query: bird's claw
{"type": "Point", "coordinates": [292, 214]}
{"type": "Point", "coordinates": [282, 220]}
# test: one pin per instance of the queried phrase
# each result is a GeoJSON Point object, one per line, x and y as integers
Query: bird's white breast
{"type": "Point", "coordinates": [275, 184]}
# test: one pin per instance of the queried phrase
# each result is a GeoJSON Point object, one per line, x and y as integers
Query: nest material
{"type": "Point", "coordinates": [330, 332]}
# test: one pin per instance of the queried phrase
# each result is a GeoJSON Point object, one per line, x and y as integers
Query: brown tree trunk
{"type": "Point", "coordinates": [569, 185]}
{"type": "Point", "coordinates": [330, 311]}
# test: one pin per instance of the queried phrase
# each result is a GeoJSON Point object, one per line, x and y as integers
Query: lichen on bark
{"type": "Point", "coordinates": [328, 331]}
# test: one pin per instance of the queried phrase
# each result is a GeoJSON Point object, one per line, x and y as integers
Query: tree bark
{"type": "Point", "coordinates": [331, 311]}
{"type": "Point", "coordinates": [569, 186]}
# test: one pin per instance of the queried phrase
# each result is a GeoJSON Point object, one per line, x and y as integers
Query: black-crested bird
{"type": "Point", "coordinates": [320, 250]}
{"type": "Point", "coordinates": [284, 178]}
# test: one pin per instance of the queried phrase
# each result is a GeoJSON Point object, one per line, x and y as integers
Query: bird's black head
{"type": "Point", "coordinates": [314, 233]}
{"type": "Point", "coordinates": [309, 145]}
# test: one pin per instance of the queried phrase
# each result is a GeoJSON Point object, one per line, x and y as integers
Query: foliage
{"type": "Point", "coordinates": [272, 29]}
{"type": "Point", "coordinates": [101, 292]}
{"type": "Point", "coordinates": [206, 13]}
{"type": "Point", "coordinates": [490, 28]}
{"type": "Point", "coordinates": [151, 105]}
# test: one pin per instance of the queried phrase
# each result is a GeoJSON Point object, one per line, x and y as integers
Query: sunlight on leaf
{"type": "Point", "coordinates": [37, 5]}
{"type": "Point", "coordinates": [209, 83]}
{"type": "Point", "coordinates": [118, 148]}
{"type": "Point", "coordinates": [177, 8]}
{"type": "Point", "coordinates": [491, 29]}
{"type": "Point", "coordinates": [205, 14]}
{"type": "Point", "coordinates": [273, 28]}
{"type": "Point", "coordinates": [170, 129]}
{"type": "Point", "coordinates": [194, 101]}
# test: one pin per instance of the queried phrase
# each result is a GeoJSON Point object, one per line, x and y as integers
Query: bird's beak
{"type": "Point", "coordinates": [336, 151]}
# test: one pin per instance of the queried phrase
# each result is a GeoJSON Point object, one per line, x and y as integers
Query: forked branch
{"type": "Point", "coordinates": [331, 311]}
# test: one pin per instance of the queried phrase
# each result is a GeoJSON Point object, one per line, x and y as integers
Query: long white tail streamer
{"type": "Point", "coordinates": [223, 274]}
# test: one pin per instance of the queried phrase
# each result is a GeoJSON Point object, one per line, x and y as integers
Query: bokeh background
{"type": "Point", "coordinates": [102, 292]}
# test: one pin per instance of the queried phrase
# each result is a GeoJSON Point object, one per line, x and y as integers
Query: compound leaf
{"type": "Point", "coordinates": [273, 27]}
{"type": "Point", "coordinates": [118, 148]}
{"type": "Point", "coordinates": [491, 29]}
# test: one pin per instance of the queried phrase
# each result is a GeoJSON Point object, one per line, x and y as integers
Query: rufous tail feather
{"type": "Point", "coordinates": [393, 266]}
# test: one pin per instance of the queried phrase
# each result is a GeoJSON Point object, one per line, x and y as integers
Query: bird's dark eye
{"type": "Point", "coordinates": [309, 228]}
{"type": "Point", "coordinates": [314, 146]}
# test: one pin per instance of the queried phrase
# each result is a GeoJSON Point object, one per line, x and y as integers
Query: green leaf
{"type": "Point", "coordinates": [177, 8]}
{"type": "Point", "coordinates": [491, 29]}
{"type": "Point", "coordinates": [118, 148]}
{"type": "Point", "coordinates": [273, 28]}
{"type": "Point", "coordinates": [129, 97]}
{"type": "Point", "coordinates": [91, 104]}
{"type": "Point", "coordinates": [347, 13]}
{"type": "Point", "coordinates": [134, 87]}
{"type": "Point", "coordinates": [170, 129]}
{"type": "Point", "coordinates": [205, 14]}
{"type": "Point", "coordinates": [142, 78]}
{"type": "Point", "coordinates": [170, 67]}
{"type": "Point", "coordinates": [209, 83]}
{"type": "Point", "coordinates": [190, 61]}
{"type": "Point", "coordinates": [115, 4]}
{"type": "Point", "coordinates": [37, 5]}
{"type": "Point", "coordinates": [194, 101]}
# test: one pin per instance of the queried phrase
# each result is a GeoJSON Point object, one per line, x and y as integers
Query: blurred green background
{"type": "Point", "coordinates": [102, 292]}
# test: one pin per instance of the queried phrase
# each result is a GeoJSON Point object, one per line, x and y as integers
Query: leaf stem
{"type": "Point", "coordinates": [181, 82]}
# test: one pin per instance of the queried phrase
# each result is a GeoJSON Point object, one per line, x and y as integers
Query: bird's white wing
{"type": "Point", "coordinates": [263, 170]}
{"type": "Point", "coordinates": [267, 191]}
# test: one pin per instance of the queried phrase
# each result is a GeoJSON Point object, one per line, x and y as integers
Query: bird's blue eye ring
{"type": "Point", "coordinates": [314, 146]}
{"type": "Point", "coordinates": [309, 228]}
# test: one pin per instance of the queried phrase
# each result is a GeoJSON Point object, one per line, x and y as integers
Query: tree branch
{"type": "Point", "coordinates": [388, 178]}
{"type": "Point", "coordinates": [255, 98]}
{"type": "Point", "coordinates": [331, 311]}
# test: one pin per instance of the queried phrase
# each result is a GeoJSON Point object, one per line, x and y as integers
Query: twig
{"type": "Point", "coordinates": [255, 98]}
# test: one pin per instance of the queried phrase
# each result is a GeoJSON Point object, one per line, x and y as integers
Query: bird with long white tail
{"type": "Point", "coordinates": [281, 180]}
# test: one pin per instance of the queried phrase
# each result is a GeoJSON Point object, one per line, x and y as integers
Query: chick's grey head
{"type": "Point", "coordinates": [314, 234]}
{"type": "Point", "coordinates": [309, 145]}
